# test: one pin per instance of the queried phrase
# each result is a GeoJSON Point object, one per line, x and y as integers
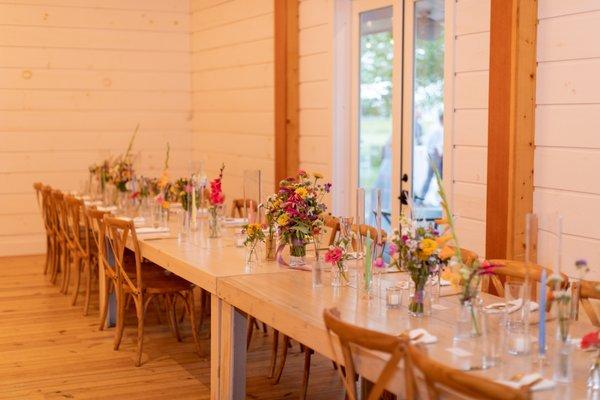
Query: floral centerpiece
{"type": "Point", "coordinates": [591, 341]}
{"type": "Point", "coordinates": [337, 255]}
{"type": "Point", "coordinates": [122, 169]}
{"type": "Point", "coordinates": [415, 249]}
{"type": "Point", "coordinates": [471, 273]}
{"type": "Point", "coordinates": [184, 190]}
{"type": "Point", "coordinates": [216, 198]}
{"type": "Point", "coordinates": [296, 210]}
{"type": "Point", "coordinates": [270, 207]}
{"type": "Point", "coordinates": [101, 173]}
{"type": "Point", "coordinates": [254, 235]}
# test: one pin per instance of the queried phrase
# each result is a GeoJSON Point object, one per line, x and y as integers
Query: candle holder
{"type": "Point", "coordinates": [393, 296]}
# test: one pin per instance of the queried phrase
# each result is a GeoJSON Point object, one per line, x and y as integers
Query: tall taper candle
{"type": "Point", "coordinates": [542, 313]}
{"type": "Point", "coordinates": [559, 221]}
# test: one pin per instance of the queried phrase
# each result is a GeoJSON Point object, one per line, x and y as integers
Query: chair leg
{"type": "Point", "coordinates": [48, 254]}
{"type": "Point", "coordinates": [191, 306]}
{"type": "Point", "coordinates": [67, 272]}
{"type": "Point", "coordinates": [274, 351]}
{"type": "Point", "coordinates": [120, 316]}
{"type": "Point", "coordinates": [87, 267]}
{"type": "Point", "coordinates": [264, 327]}
{"type": "Point", "coordinates": [104, 307]}
{"type": "Point", "coordinates": [286, 344]}
{"type": "Point", "coordinates": [173, 312]}
{"type": "Point", "coordinates": [139, 308]}
{"type": "Point", "coordinates": [77, 267]}
{"type": "Point", "coordinates": [250, 330]}
{"type": "Point", "coordinates": [201, 307]}
{"type": "Point", "coordinates": [307, 355]}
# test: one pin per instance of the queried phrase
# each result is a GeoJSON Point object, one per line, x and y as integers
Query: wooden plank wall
{"type": "Point", "coordinates": [76, 76]}
{"type": "Point", "coordinates": [316, 87]}
{"type": "Point", "coordinates": [567, 155]}
{"type": "Point", "coordinates": [233, 88]}
{"type": "Point", "coordinates": [470, 119]}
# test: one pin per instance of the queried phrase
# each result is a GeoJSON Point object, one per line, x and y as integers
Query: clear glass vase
{"type": "Point", "coordinates": [420, 298]}
{"type": "Point", "coordinates": [469, 320]}
{"type": "Point", "coordinates": [339, 275]}
{"type": "Point", "coordinates": [593, 381]}
{"type": "Point", "coordinates": [185, 217]}
{"type": "Point", "coordinates": [297, 252]}
{"type": "Point", "coordinates": [270, 247]}
{"type": "Point", "coordinates": [563, 349]}
{"type": "Point", "coordinates": [251, 258]}
{"type": "Point", "coordinates": [214, 224]}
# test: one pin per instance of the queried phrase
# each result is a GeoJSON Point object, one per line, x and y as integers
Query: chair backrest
{"type": "Point", "coordinates": [60, 208]}
{"type": "Point", "coordinates": [117, 233]}
{"type": "Point", "coordinates": [333, 226]}
{"type": "Point", "coordinates": [239, 206]}
{"type": "Point", "coordinates": [78, 224]}
{"type": "Point", "coordinates": [47, 207]}
{"type": "Point", "coordinates": [512, 270]}
{"type": "Point", "coordinates": [441, 379]}
{"type": "Point", "coordinates": [98, 230]}
{"type": "Point", "coordinates": [38, 186]}
{"type": "Point", "coordinates": [351, 337]}
{"type": "Point", "coordinates": [364, 230]}
{"type": "Point", "coordinates": [589, 290]}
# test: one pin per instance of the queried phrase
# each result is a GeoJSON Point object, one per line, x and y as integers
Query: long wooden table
{"type": "Point", "coordinates": [286, 300]}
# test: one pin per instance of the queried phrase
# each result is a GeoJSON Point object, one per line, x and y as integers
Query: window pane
{"type": "Point", "coordinates": [375, 118]}
{"type": "Point", "coordinates": [428, 86]}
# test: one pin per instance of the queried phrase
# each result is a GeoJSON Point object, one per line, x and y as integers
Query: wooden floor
{"type": "Point", "coordinates": [49, 350]}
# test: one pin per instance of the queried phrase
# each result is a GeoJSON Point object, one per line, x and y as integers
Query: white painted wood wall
{"type": "Point", "coordinates": [76, 76]}
{"type": "Point", "coordinates": [567, 155]}
{"type": "Point", "coordinates": [470, 26]}
{"type": "Point", "coordinates": [233, 89]}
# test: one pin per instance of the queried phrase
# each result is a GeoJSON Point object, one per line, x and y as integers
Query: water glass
{"type": "Point", "coordinates": [516, 321]}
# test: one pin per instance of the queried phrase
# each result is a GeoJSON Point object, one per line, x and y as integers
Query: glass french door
{"type": "Point", "coordinates": [397, 100]}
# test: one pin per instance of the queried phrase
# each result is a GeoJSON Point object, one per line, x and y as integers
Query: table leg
{"type": "Point", "coordinates": [228, 351]}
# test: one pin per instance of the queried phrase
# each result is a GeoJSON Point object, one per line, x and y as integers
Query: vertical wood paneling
{"type": "Point", "coordinates": [233, 89]}
{"type": "Point", "coordinates": [76, 76]}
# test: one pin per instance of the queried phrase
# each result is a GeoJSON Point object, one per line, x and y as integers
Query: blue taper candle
{"type": "Point", "coordinates": [542, 312]}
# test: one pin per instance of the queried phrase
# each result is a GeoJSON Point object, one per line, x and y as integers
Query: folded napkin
{"type": "Point", "coordinates": [90, 203]}
{"type": "Point", "coordinates": [137, 221]}
{"type": "Point", "coordinates": [426, 337]}
{"type": "Point", "coordinates": [511, 307]}
{"type": "Point", "coordinates": [444, 282]}
{"type": "Point", "coordinates": [107, 208]}
{"type": "Point", "coordinates": [234, 221]}
{"type": "Point", "coordinates": [544, 384]}
{"type": "Point", "coordinates": [150, 229]}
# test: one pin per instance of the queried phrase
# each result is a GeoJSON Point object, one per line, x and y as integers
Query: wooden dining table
{"type": "Point", "coordinates": [289, 301]}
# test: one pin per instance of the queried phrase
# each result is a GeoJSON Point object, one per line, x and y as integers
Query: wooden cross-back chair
{"type": "Point", "coordinates": [142, 287]}
{"type": "Point", "coordinates": [589, 290]}
{"type": "Point", "coordinates": [516, 271]}
{"type": "Point", "coordinates": [109, 276]}
{"type": "Point", "coordinates": [333, 226]}
{"type": "Point", "coordinates": [63, 237]}
{"type": "Point", "coordinates": [442, 381]}
{"type": "Point", "coordinates": [82, 249]}
{"type": "Point", "coordinates": [351, 337]}
{"type": "Point", "coordinates": [239, 206]}
{"type": "Point", "coordinates": [362, 231]}
{"type": "Point", "coordinates": [47, 209]}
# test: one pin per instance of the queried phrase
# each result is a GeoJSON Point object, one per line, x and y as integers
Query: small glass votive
{"type": "Point", "coordinates": [239, 239]}
{"type": "Point", "coordinates": [393, 296]}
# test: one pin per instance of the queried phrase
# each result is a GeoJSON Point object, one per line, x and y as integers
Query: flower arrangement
{"type": "Point", "coordinates": [254, 235]}
{"type": "Point", "coordinates": [216, 198]}
{"type": "Point", "coordinates": [101, 172]}
{"type": "Point", "coordinates": [337, 255]}
{"type": "Point", "coordinates": [416, 249]}
{"type": "Point", "coordinates": [162, 185]}
{"type": "Point", "coordinates": [121, 171]}
{"type": "Point", "coordinates": [296, 210]}
{"type": "Point", "coordinates": [184, 190]}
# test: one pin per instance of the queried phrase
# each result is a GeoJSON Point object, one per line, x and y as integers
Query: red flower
{"type": "Point", "coordinates": [486, 268]}
{"type": "Point", "coordinates": [590, 340]}
{"type": "Point", "coordinates": [333, 255]}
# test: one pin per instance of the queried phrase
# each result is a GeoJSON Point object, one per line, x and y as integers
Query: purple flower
{"type": "Point", "coordinates": [392, 249]}
{"type": "Point", "coordinates": [404, 238]}
{"type": "Point", "coordinates": [327, 187]}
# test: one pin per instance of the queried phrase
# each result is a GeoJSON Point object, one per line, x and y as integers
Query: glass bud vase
{"type": "Point", "coordinates": [593, 381]}
{"type": "Point", "coordinates": [420, 299]}
{"type": "Point", "coordinates": [563, 369]}
{"type": "Point", "coordinates": [339, 275]}
{"type": "Point", "coordinates": [251, 257]}
{"type": "Point", "coordinates": [184, 225]}
{"type": "Point", "coordinates": [469, 320]}
{"type": "Point", "coordinates": [270, 247]}
{"type": "Point", "coordinates": [297, 252]}
{"type": "Point", "coordinates": [214, 226]}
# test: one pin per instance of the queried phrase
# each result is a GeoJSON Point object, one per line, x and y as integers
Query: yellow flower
{"type": "Point", "coordinates": [165, 205]}
{"type": "Point", "coordinates": [428, 246]}
{"type": "Point", "coordinates": [318, 175]}
{"type": "Point", "coordinates": [164, 179]}
{"type": "Point", "coordinates": [302, 192]}
{"type": "Point", "coordinates": [253, 229]}
{"type": "Point", "coordinates": [283, 220]}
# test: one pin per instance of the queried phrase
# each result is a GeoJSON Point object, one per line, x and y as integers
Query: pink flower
{"type": "Point", "coordinates": [188, 188]}
{"type": "Point", "coordinates": [392, 249]}
{"type": "Point", "coordinates": [378, 262]}
{"type": "Point", "coordinates": [486, 268]}
{"type": "Point", "coordinates": [333, 255]}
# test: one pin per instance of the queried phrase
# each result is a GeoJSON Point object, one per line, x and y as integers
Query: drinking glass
{"type": "Point", "coordinates": [516, 319]}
